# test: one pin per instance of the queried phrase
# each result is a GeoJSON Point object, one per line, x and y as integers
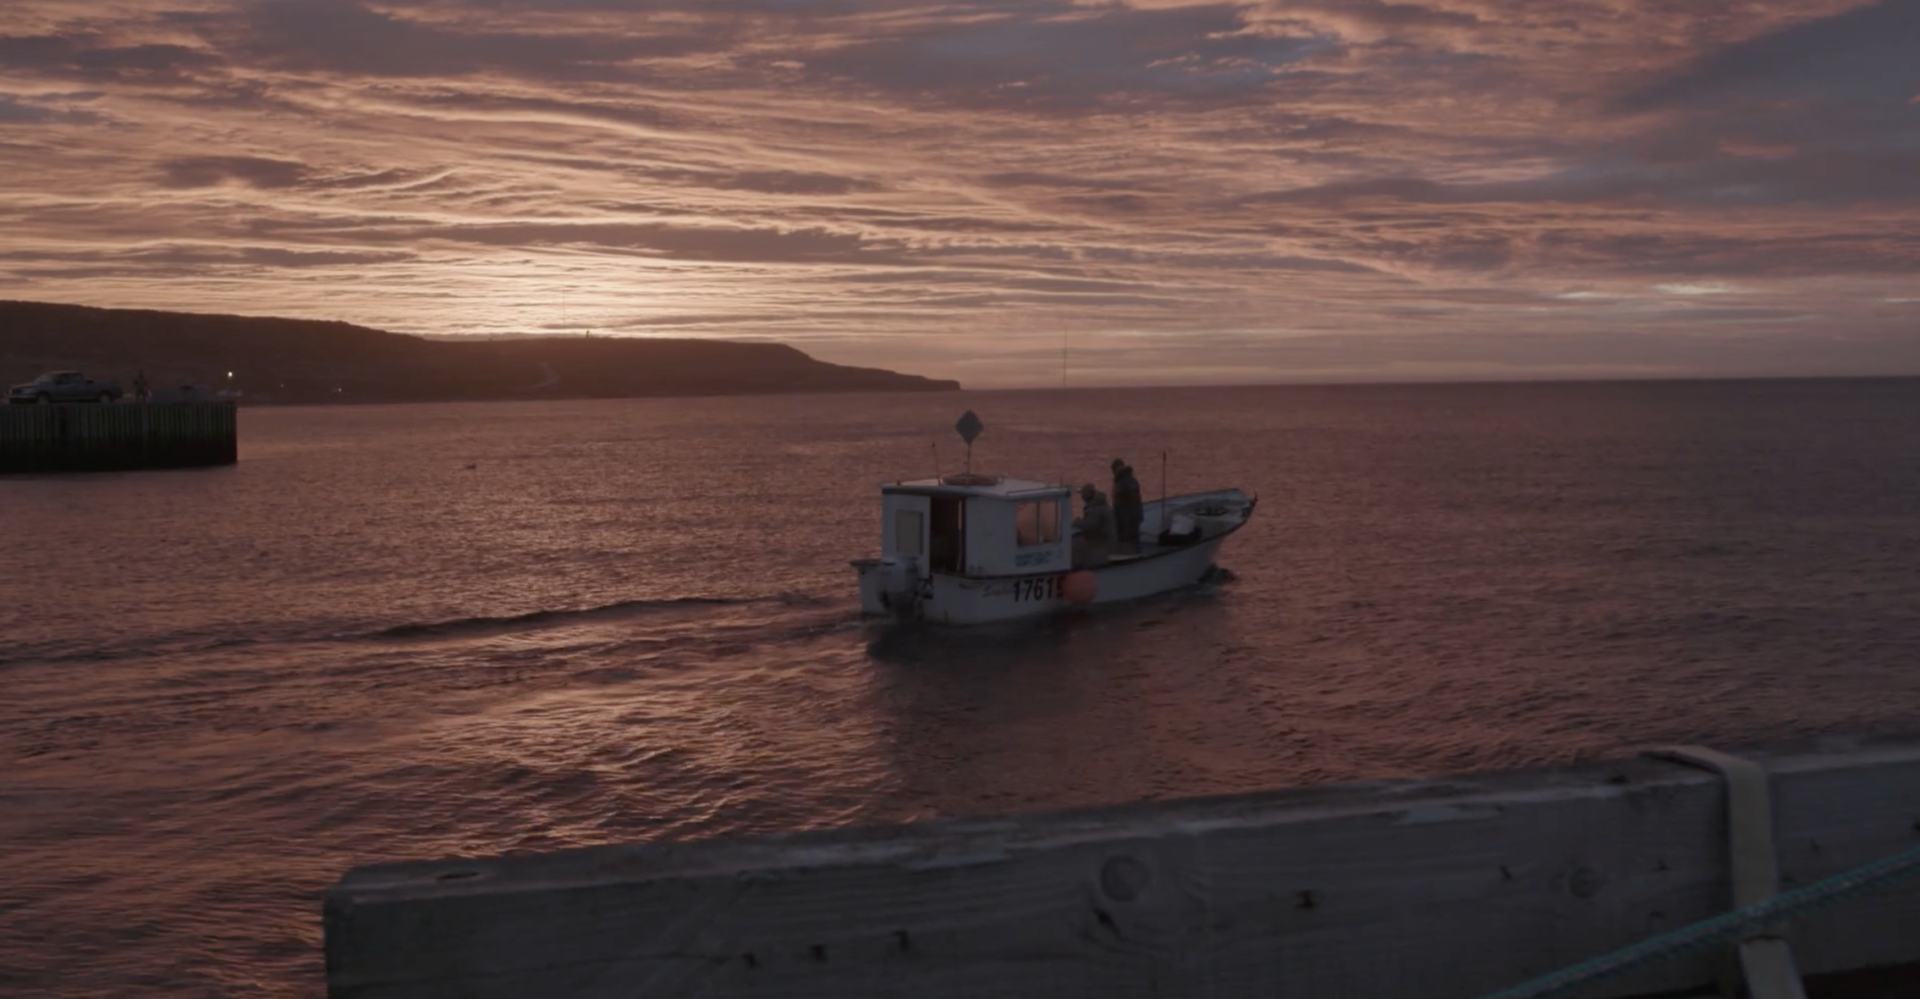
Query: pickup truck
{"type": "Point", "coordinates": [64, 386]}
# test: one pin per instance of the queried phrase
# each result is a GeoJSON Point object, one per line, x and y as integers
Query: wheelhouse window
{"type": "Point", "coordinates": [908, 532]}
{"type": "Point", "coordinates": [1037, 523]}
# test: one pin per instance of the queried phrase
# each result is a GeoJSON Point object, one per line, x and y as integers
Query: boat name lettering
{"type": "Point", "coordinates": [1025, 559]}
{"type": "Point", "coordinates": [1036, 588]}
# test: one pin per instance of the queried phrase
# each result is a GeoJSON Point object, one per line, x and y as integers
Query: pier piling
{"type": "Point", "coordinates": [121, 436]}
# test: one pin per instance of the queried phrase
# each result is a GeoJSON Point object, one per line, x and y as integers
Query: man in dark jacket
{"type": "Point", "coordinates": [1126, 506]}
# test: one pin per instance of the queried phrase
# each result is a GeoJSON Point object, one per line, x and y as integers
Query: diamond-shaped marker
{"type": "Point", "coordinates": [969, 427]}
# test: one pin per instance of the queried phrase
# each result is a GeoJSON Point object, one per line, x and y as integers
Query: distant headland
{"type": "Point", "coordinates": [303, 362]}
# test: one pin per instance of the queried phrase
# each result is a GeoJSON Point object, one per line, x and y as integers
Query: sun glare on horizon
{"type": "Point", "coordinates": [1288, 190]}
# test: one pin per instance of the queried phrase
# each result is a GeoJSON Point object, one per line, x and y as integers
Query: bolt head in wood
{"type": "Point", "coordinates": [1124, 878]}
{"type": "Point", "coordinates": [1584, 882]}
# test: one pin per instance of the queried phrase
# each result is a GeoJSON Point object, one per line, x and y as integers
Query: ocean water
{"type": "Point", "coordinates": [419, 631]}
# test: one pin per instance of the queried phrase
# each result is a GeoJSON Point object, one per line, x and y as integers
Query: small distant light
{"type": "Point", "coordinates": [229, 374]}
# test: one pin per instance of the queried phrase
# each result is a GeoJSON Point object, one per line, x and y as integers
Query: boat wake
{"type": "Point", "coordinates": [186, 643]}
{"type": "Point", "coordinates": [540, 619]}
{"type": "Point", "coordinates": [213, 641]}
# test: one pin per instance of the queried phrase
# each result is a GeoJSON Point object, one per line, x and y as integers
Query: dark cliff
{"type": "Point", "coordinates": [307, 361]}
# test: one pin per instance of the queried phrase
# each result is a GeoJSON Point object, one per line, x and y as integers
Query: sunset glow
{"type": "Point", "coordinates": [1176, 192]}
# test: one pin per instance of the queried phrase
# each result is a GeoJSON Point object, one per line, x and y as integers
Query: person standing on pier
{"type": "Point", "coordinates": [1126, 506]}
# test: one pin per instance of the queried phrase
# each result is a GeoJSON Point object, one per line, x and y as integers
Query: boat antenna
{"type": "Point", "coordinates": [1063, 388]}
{"type": "Point", "coordinates": [935, 445]}
{"type": "Point", "coordinates": [1163, 487]}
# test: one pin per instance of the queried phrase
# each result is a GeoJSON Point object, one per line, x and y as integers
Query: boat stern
{"type": "Point", "coordinates": [888, 587]}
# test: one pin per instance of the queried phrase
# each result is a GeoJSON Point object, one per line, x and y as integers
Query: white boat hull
{"type": "Point", "coordinates": [901, 590]}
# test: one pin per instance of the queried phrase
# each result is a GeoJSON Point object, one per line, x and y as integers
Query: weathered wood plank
{"type": "Point", "coordinates": [120, 436]}
{"type": "Point", "coordinates": [1430, 888]}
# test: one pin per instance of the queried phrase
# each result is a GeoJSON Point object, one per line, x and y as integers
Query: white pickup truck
{"type": "Point", "coordinates": [64, 386]}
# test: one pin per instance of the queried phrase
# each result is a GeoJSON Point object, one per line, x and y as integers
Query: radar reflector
{"type": "Point", "coordinates": [969, 427]}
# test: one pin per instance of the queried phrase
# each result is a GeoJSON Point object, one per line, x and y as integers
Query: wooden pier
{"type": "Point", "coordinates": [77, 438]}
{"type": "Point", "coordinates": [1441, 889]}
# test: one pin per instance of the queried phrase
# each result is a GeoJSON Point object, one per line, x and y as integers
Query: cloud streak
{"type": "Point", "coordinates": [1321, 188]}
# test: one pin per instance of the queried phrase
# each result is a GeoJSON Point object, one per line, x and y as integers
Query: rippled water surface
{"type": "Point", "coordinates": [403, 632]}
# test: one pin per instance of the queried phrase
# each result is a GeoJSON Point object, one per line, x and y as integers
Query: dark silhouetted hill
{"type": "Point", "coordinates": [306, 361]}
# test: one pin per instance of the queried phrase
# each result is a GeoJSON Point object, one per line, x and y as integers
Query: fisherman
{"type": "Point", "coordinates": [1094, 546]}
{"type": "Point", "coordinates": [1126, 506]}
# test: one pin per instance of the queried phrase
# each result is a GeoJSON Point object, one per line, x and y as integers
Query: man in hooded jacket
{"type": "Point", "coordinates": [1126, 506]}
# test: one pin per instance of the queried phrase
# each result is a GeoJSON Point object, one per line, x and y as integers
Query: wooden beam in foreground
{"type": "Point", "coordinates": [1429, 888]}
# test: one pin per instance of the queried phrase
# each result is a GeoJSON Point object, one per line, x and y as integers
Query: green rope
{"type": "Point", "coordinates": [1739, 923]}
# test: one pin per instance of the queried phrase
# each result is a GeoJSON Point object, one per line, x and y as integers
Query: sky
{"type": "Point", "coordinates": [1013, 193]}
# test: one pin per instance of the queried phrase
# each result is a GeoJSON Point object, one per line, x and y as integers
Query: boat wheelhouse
{"type": "Point", "coordinates": [973, 549]}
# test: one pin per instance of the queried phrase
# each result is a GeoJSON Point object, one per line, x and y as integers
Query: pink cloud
{"type": "Point", "coordinates": [1440, 184]}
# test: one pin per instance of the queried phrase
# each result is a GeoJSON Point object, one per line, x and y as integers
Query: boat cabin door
{"type": "Point", "coordinates": [903, 531]}
{"type": "Point", "coordinates": [928, 531]}
{"type": "Point", "coordinates": [947, 535]}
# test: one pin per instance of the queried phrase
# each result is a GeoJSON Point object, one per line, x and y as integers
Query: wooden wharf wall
{"type": "Point", "coordinates": [1438, 889]}
{"type": "Point", "coordinates": [92, 437]}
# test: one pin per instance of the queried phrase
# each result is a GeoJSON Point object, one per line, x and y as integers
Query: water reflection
{"type": "Point", "coordinates": [1075, 710]}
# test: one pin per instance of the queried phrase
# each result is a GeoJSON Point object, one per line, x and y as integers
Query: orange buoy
{"type": "Point", "coordinates": [1079, 587]}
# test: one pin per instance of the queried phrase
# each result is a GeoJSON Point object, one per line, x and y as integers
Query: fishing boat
{"type": "Point", "coordinates": [971, 548]}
